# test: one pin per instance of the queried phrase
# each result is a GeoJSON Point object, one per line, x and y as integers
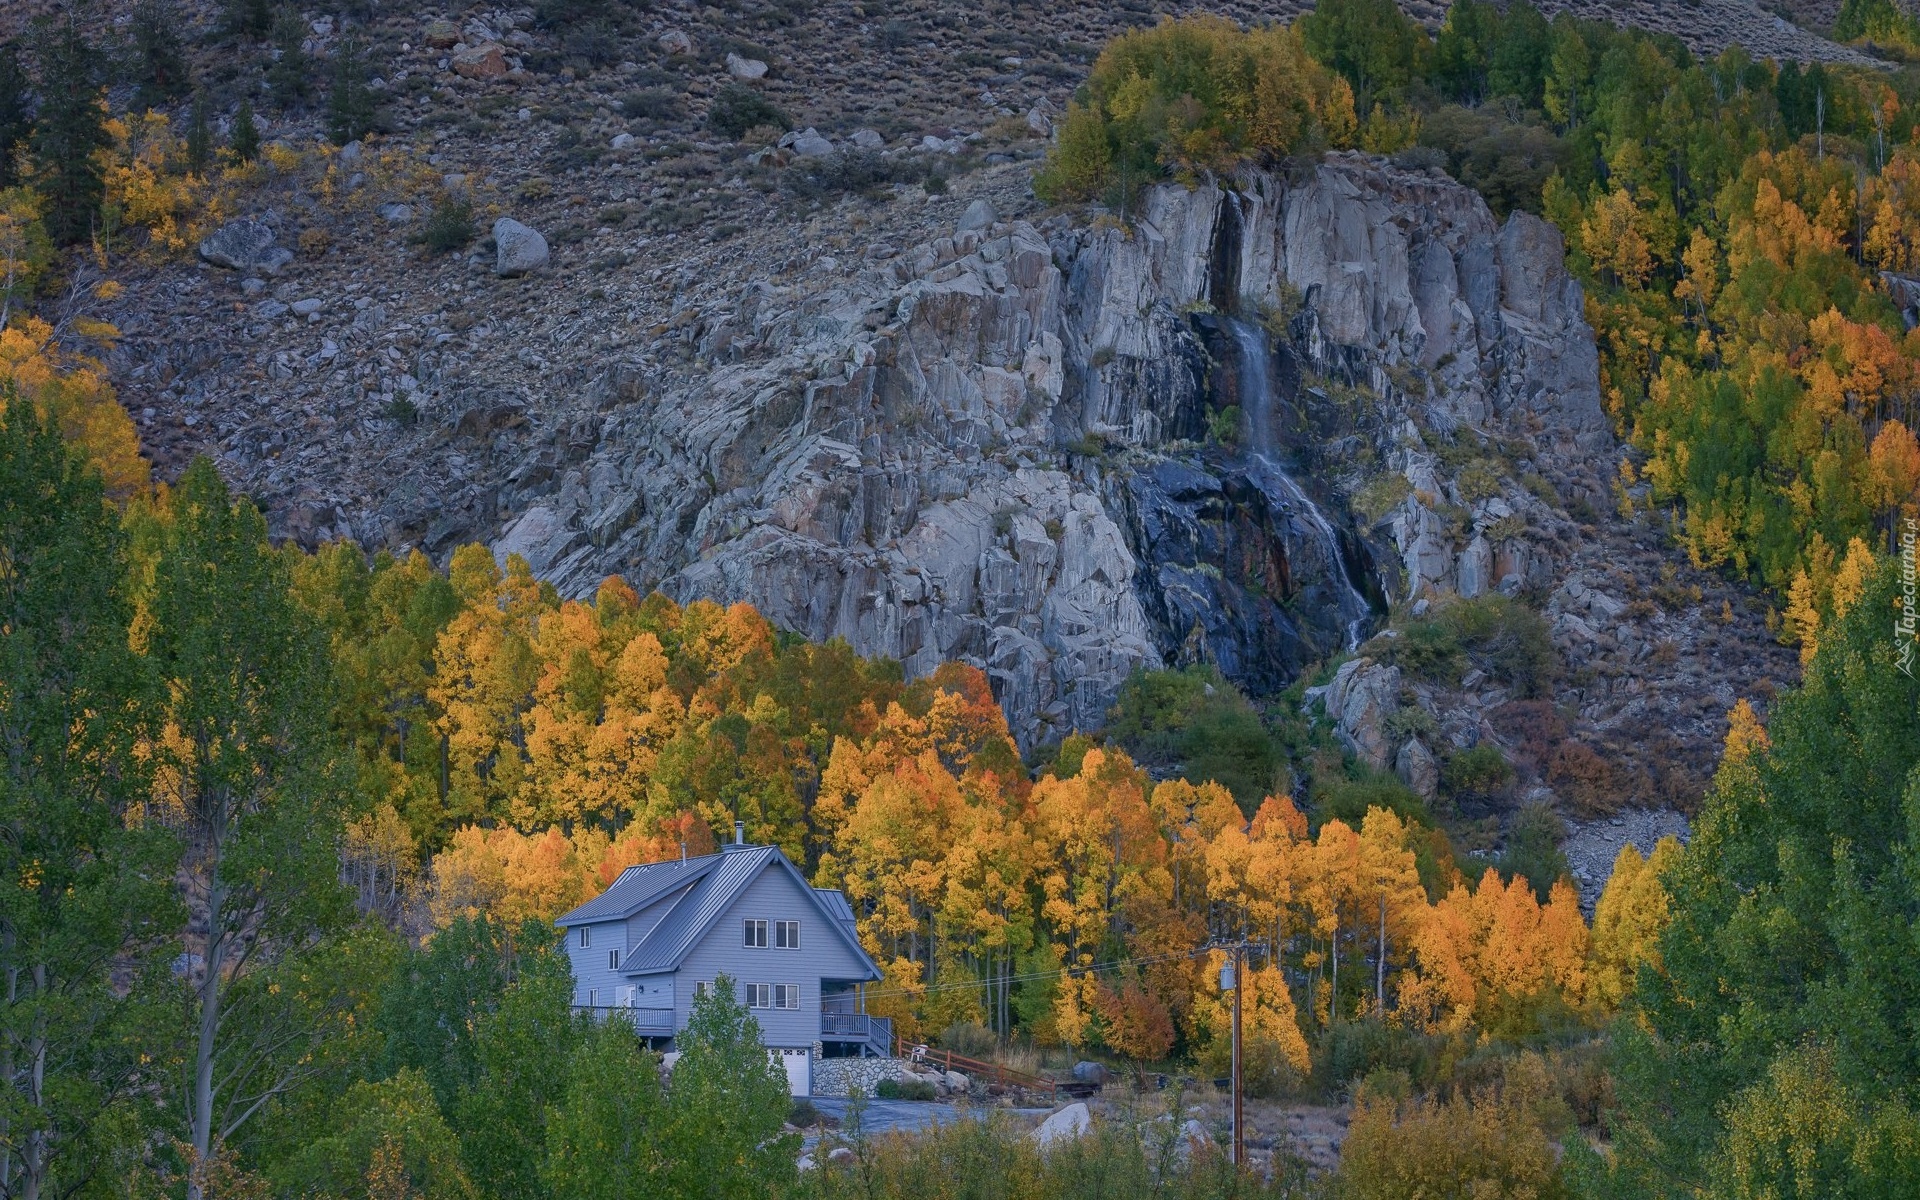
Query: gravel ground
{"type": "Point", "coordinates": [1591, 846]}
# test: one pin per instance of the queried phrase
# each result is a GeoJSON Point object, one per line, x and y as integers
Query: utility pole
{"type": "Point", "coordinates": [1233, 974]}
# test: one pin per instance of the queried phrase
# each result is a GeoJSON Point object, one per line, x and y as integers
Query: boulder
{"type": "Point", "coordinates": [441, 35]}
{"type": "Point", "coordinates": [518, 248]}
{"type": "Point", "coordinates": [308, 307]}
{"type": "Point", "coordinates": [245, 246]}
{"type": "Point", "coordinates": [867, 139]}
{"type": "Point", "coordinates": [840, 1155]}
{"type": "Point", "coordinates": [621, 141]}
{"type": "Point", "coordinates": [485, 61]}
{"type": "Point", "coordinates": [675, 41]}
{"type": "Point", "coordinates": [1069, 1123]}
{"type": "Point", "coordinates": [979, 216]}
{"type": "Point", "coordinates": [745, 68]}
{"type": "Point", "coordinates": [1090, 1072]}
{"type": "Point", "coordinates": [396, 214]}
{"type": "Point", "coordinates": [809, 143]}
{"type": "Point", "coordinates": [956, 1082]}
{"type": "Point", "coordinates": [1358, 699]}
{"type": "Point", "coordinates": [1416, 767]}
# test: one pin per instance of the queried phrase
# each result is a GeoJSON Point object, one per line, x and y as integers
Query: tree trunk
{"type": "Point", "coordinates": [201, 1118]}
{"type": "Point", "coordinates": [1333, 985]}
{"type": "Point", "coordinates": [1380, 968]}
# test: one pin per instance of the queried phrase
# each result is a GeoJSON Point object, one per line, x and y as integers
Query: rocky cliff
{"type": "Point", "coordinates": [1007, 446]}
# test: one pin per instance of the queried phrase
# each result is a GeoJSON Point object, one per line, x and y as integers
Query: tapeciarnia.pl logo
{"type": "Point", "coordinates": [1905, 624]}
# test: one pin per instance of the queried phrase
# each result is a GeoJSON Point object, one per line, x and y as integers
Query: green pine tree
{"type": "Point", "coordinates": [244, 144]}
{"type": "Point", "coordinates": [199, 135]}
{"type": "Point", "coordinates": [248, 18]}
{"type": "Point", "coordinates": [289, 79]}
{"type": "Point", "coordinates": [71, 128]}
{"type": "Point", "coordinates": [15, 125]}
{"type": "Point", "coordinates": [159, 59]}
{"type": "Point", "coordinates": [350, 105]}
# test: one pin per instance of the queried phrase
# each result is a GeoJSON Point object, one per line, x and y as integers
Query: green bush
{"type": "Point", "coordinates": [739, 108]}
{"type": "Point", "coordinates": [1224, 426]}
{"type": "Point", "coordinates": [803, 1114]}
{"type": "Point", "coordinates": [1194, 717]}
{"type": "Point", "coordinates": [1533, 849]}
{"type": "Point", "coordinates": [1192, 96]}
{"type": "Point", "coordinates": [969, 1038]}
{"type": "Point", "coordinates": [1381, 495]}
{"type": "Point", "coordinates": [905, 1089]}
{"type": "Point", "coordinates": [1477, 772]}
{"type": "Point", "coordinates": [449, 228]}
{"type": "Point", "coordinates": [1501, 636]}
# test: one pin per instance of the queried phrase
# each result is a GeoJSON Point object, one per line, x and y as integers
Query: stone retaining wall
{"type": "Point", "coordinates": [838, 1076]}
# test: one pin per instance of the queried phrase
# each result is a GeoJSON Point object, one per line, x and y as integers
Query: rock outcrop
{"type": "Point", "coordinates": [994, 447]}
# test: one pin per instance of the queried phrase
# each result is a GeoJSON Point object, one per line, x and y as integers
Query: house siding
{"type": "Point", "coordinates": [590, 970]}
{"type": "Point", "coordinates": [774, 895]}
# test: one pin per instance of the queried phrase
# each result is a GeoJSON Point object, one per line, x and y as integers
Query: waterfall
{"type": "Point", "coordinates": [1255, 388]}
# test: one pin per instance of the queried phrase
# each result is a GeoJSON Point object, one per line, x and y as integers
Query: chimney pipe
{"type": "Point", "coordinates": [683, 849]}
{"type": "Point", "coordinates": [739, 833]}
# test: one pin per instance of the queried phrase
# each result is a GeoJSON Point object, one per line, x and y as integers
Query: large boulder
{"type": "Point", "coordinates": [1064, 1126]}
{"type": "Point", "coordinates": [518, 248]}
{"type": "Point", "coordinates": [1089, 1072]}
{"type": "Point", "coordinates": [485, 61]}
{"type": "Point", "coordinates": [245, 246]}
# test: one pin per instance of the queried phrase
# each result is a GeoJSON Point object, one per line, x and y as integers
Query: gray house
{"type": "Point", "coordinates": [645, 947]}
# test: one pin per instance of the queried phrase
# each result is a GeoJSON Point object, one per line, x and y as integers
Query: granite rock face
{"type": "Point", "coordinates": [1017, 446]}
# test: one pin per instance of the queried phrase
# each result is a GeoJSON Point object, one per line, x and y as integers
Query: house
{"type": "Point", "coordinates": [644, 948]}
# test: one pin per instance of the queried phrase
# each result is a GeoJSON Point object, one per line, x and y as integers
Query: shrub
{"type": "Point", "coordinates": [1196, 718]}
{"type": "Point", "coordinates": [653, 104]}
{"type": "Point", "coordinates": [1490, 1145]}
{"type": "Point", "coordinates": [969, 1038]}
{"type": "Point", "coordinates": [852, 171]}
{"type": "Point", "coordinates": [1533, 849]}
{"type": "Point", "coordinates": [1478, 772]}
{"type": "Point", "coordinates": [1192, 96]}
{"type": "Point", "coordinates": [803, 1113]}
{"type": "Point", "coordinates": [449, 228]}
{"type": "Point", "coordinates": [1499, 635]}
{"type": "Point", "coordinates": [1381, 495]}
{"type": "Point", "coordinates": [1224, 426]}
{"type": "Point", "coordinates": [905, 1089]}
{"type": "Point", "coordinates": [739, 108]}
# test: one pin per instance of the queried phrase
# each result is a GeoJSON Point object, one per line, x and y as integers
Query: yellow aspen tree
{"type": "Point", "coordinates": [1627, 923]}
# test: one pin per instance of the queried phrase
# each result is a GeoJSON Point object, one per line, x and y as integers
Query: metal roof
{"type": "Point", "coordinates": [638, 887]}
{"type": "Point", "coordinates": [708, 887]}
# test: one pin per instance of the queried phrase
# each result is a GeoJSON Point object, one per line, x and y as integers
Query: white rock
{"type": "Point", "coordinates": [745, 68]}
{"type": "Point", "coordinates": [518, 248]}
{"type": "Point", "coordinates": [867, 139]}
{"type": "Point", "coordinates": [308, 307]}
{"type": "Point", "coordinates": [979, 216]}
{"type": "Point", "coordinates": [621, 141]}
{"type": "Point", "coordinates": [396, 214]}
{"type": "Point", "coordinates": [1069, 1123]}
{"type": "Point", "coordinates": [809, 143]}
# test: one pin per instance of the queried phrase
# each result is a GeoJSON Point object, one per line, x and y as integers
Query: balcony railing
{"type": "Point", "coordinates": [845, 1025]}
{"type": "Point", "coordinates": [648, 1022]}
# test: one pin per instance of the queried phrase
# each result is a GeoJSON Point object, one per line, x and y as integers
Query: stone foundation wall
{"type": "Point", "coordinates": [838, 1076]}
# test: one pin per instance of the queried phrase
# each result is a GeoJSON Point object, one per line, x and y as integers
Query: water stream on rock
{"type": "Point", "coordinates": [1256, 396]}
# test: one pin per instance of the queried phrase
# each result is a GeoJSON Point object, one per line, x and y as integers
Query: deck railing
{"type": "Point", "coordinates": [947, 1060]}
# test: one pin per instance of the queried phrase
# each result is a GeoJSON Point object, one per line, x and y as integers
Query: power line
{"type": "Point", "coordinates": [1091, 968]}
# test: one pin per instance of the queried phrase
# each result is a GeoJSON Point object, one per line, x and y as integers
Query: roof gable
{"type": "Point", "coordinates": [717, 880]}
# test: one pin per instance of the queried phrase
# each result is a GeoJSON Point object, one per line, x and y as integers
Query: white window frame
{"type": "Point", "coordinates": [586, 937]}
{"type": "Point", "coordinates": [613, 959]}
{"type": "Point", "coordinates": [753, 933]}
{"type": "Point", "coordinates": [787, 996]}
{"type": "Point", "coordinates": [759, 995]}
{"type": "Point", "coordinates": [786, 935]}
{"type": "Point", "coordinates": [593, 997]}
{"type": "Point", "coordinates": [701, 987]}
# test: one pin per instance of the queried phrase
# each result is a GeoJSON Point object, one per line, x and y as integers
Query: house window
{"type": "Point", "coordinates": [613, 960]}
{"type": "Point", "coordinates": [756, 935]}
{"type": "Point", "coordinates": [760, 995]}
{"type": "Point", "coordinates": [786, 935]}
{"type": "Point", "coordinates": [701, 987]}
{"type": "Point", "coordinates": [593, 997]}
{"type": "Point", "coordinates": [586, 936]}
{"type": "Point", "coordinates": [786, 995]}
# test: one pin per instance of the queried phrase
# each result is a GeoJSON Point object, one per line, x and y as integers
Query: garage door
{"type": "Point", "coordinates": [798, 1065]}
